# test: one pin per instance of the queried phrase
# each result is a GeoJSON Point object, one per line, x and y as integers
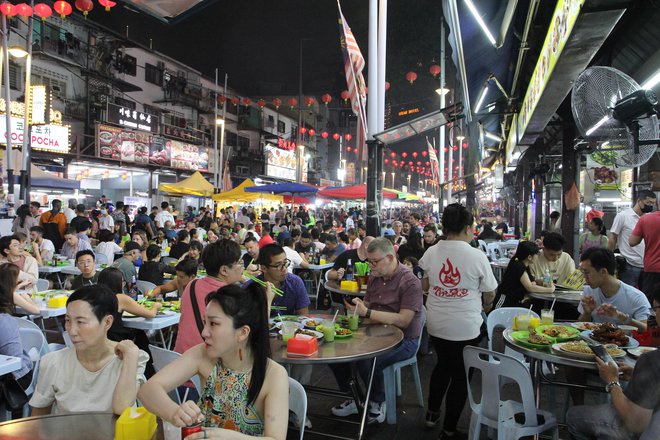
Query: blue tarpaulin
{"type": "Point", "coordinates": [283, 188]}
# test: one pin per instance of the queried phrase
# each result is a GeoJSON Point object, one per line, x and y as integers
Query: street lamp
{"type": "Point", "coordinates": [393, 173]}
{"type": "Point", "coordinates": [17, 52]}
{"type": "Point", "coordinates": [409, 176]}
{"type": "Point", "coordinates": [219, 149]}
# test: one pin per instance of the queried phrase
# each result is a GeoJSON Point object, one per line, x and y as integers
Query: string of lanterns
{"type": "Point", "coordinates": [61, 7]}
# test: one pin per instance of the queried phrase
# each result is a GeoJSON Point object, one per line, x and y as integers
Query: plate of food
{"type": "Point", "coordinates": [304, 331]}
{"type": "Point", "coordinates": [312, 323]}
{"type": "Point", "coordinates": [341, 332]}
{"type": "Point", "coordinates": [638, 351]}
{"type": "Point", "coordinates": [278, 324]}
{"type": "Point", "coordinates": [561, 333]}
{"type": "Point", "coordinates": [532, 340]}
{"type": "Point", "coordinates": [292, 318]}
{"type": "Point", "coordinates": [582, 326]}
{"type": "Point", "coordinates": [608, 333]}
{"type": "Point", "coordinates": [580, 350]}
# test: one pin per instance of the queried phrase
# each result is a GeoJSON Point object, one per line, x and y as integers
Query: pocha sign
{"type": "Point", "coordinates": [49, 137]}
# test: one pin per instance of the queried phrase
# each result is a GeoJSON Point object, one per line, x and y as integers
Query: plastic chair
{"type": "Point", "coordinates": [511, 419]}
{"type": "Point", "coordinates": [161, 357]}
{"type": "Point", "coordinates": [298, 403]}
{"type": "Point", "coordinates": [392, 379]}
{"type": "Point", "coordinates": [494, 251]}
{"type": "Point", "coordinates": [42, 285]}
{"type": "Point", "coordinates": [33, 339]}
{"type": "Point", "coordinates": [483, 246]}
{"type": "Point", "coordinates": [100, 258]}
{"type": "Point", "coordinates": [145, 286]}
{"type": "Point", "coordinates": [503, 317]}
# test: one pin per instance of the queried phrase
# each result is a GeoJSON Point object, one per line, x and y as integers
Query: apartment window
{"type": "Point", "coordinates": [281, 127]}
{"type": "Point", "coordinates": [125, 103]}
{"type": "Point", "coordinates": [271, 121]}
{"type": "Point", "coordinates": [243, 142]}
{"type": "Point", "coordinates": [15, 76]}
{"type": "Point", "coordinates": [231, 139]}
{"type": "Point", "coordinates": [153, 75]}
{"type": "Point", "coordinates": [151, 110]}
{"type": "Point", "coordinates": [242, 170]}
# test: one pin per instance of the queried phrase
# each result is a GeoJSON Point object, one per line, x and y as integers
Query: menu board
{"type": "Point", "coordinates": [280, 163]}
{"type": "Point", "coordinates": [144, 148]}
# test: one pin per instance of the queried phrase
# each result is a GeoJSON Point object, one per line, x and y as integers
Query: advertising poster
{"type": "Point", "coordinates": [349, 179]}
{"type": "Point", "coordinates": [187, 156]}
{"type": "Point", "coordinates": [159, 153]}
{"type": "Point", "coordinates": [280, 163]}
{"type": "Point", "coordinates": [109, 142]}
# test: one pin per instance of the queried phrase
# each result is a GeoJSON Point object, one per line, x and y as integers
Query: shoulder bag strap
{"type": "Point", "coordinates": [195, 307]}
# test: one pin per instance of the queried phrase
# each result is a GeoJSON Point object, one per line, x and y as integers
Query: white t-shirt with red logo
{"type": "Point", "coordinates": [457, 273]}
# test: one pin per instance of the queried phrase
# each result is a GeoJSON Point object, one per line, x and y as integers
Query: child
{"type": "Point", "coordinates": [412, 263]}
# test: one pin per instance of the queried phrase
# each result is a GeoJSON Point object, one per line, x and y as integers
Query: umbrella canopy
{"type": "Point", "coordinates": [403, 195]}
{"type": "Point", "coordinates": [354, 192]}
{"type": "Point", "coordinates": [239, 194]}
{"type": "Point", "coordinates": [283, 188]}
{"type": "Point", "coordinates": [195, 185]}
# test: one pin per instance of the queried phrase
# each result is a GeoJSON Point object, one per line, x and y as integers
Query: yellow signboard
{"type": "Point", "coordinates": [562, 23]}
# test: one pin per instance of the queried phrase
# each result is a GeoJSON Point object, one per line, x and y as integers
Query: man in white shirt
{"type": "Point", "coordinates": [297, 262]}
{"type": "Point", "coordinates": [164, 215]}
{"type": "Point", "coordinates": [623, 225]}
{"type": "Point", "coordinates": [553, 258]}
{"type": "Point", "coordinates": [70, 211]}
{"type": "Point", "coordinates": [46, 247]}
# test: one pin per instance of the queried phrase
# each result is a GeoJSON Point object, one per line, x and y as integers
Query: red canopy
{"type": "Point", "coordinates": [350, 192]}
{"type": "Point", "coordinates": [296, 200]}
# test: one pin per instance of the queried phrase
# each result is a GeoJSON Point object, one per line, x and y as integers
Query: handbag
{"type": "Point", "coordinates": [13, 395]}
{"type": "Point", "coordinates": [195, 307]}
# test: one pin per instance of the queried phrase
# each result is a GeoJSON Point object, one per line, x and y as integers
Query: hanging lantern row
{"type": "Point", "coordinates": [61, 7]}
{"type": "Point", "coordinates": [434, 70]}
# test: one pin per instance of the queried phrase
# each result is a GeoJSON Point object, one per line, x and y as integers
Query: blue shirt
{"type": "Point", "coordinates": [10, 344]}
{"type": "Point", "coordinates": [627, 300]}
{"type": "Point", "coordinates": [295, 295]}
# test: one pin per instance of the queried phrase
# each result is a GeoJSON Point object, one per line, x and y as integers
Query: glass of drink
{"type": "Point", "coordinates": [328, 330]}
{"type": "Point", "coordinates": [353, 320]}
{"type": "Point", "coordinates": [547, 317]}
{"type": "Point", "coordinates": [288, 330]}
{"type": "Point", "coordinates": [522, 321]}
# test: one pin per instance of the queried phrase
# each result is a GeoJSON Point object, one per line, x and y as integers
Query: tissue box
{"type": "Point", "coordinates": [302, 345]}
{"type": "Point", "coordinates": [351, 286]}
{"type": "Point", "coordinates": [57, 302]}
{"type": "Point", "coordinates": [135, 424]}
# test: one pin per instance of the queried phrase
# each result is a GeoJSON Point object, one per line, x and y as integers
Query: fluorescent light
{"type": "Point", "coordinates": [492, 136]}
{"type": "Point", "coordinates": [652, 81]}
{"type": "Point", "coordinates": [598, 124]}
{"type": "Point", "coordinates": [477, 17]}
{"type": "Point", "coordinates": [608, 199]}
{"type": "Point", "coordinates": [219, 121]}
{"type": "Point", "coordinates": [480, 101]}
{"type": "Point", "coordinates": [442, 91]}
{"type": "Point", "coordinates": [17, 52]}
{"type": "Point", "coordinates": [460, 137]}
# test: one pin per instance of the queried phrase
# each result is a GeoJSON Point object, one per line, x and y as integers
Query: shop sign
{"type": "Point", "coordinates": [349, 177]}
{"type": "Point", "coordinates": [327, 182]}
{"type": "Point", "coordinates": [280, 163]}
{"type": "Point", "coordinates": [286, 144]}
{"type": "Point", "coordinates": [562, 23]}
{"type": "Point", "coordinates": [39, 105]}
{"type": "Point", "coordinates": [187, 156]}
{"type": "Point", "coordinates": [17, 130]}
{"type": "Point", "coordinates": [127, 117]}
{"type": "Point", "coordinates": [53, 138]}
{"type": "Point", "coordinates": [184, 134]}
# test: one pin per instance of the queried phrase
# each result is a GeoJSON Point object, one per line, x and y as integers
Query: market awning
{"type": "Point", "coordinates": [283, 188]}
{"type": "Point", "coordinates": [239, 194]}
{"type": "Point", "coordinates": [44, 179]}
{"type": "Point", "coordinates": [354, 192]}
{"type": "Point", "coordinates": [195, 185]}
{"type": "Point", "coordinates": [403, 195]}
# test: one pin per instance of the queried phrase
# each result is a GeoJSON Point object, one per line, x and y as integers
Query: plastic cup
{"type": "Point", "coordinates": [353, 321]}
{"type": "Point", "coordinates": [547, 317]}
{"type": "Point", "coordinates": [522, 321]}
{"type": "Point", "coordinates": [288, 330]}
{"type": "Point", "coordinates": [328, 331]}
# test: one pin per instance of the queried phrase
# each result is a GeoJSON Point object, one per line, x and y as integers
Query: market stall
{"type": "Point", "coordinates": [195, 185]}
{"type": "Point", "coordinates": [239, 194]}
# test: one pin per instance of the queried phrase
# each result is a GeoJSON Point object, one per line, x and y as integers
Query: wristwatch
{"type": "Point", "coordinates": [368, 314]}
{"type": "Point", "coordinates": [609, 386]}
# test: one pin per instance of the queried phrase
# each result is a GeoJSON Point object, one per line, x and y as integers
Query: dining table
{"type": "Point", "coordinates": [560, 295]}
{"type": "Point", "coordinates": [158, 324]}
{"type": "Point", "coordinates": [366, 343]}
{"type": "Point", "coordinates": [9, 364]}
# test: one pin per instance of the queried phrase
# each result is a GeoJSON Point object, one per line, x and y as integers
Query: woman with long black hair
{"type": "Point", "coordinates": [244, 390]}
{"type": "Point", "coordinates": [23, 221]}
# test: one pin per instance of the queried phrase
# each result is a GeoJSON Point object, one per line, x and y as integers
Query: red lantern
{"type": "Point", "coordinates": [8, 9]}
{"type": "Point", "coordinates": [411, 77]}
{"type": "Point", "coordinates": [387, 85]}
{"type": "Point", "coordinates": [434, 70]}
{"type": "Point", "coordinates": [427, 163]}
{"type": "Point", "coordinates": [392, 154]}
{"type": "Point", "coordinates": [386, 160]}
{"type": "Point", "coordinates": [312, 132]}
{"type": "Point", "coordinates": [465, 146]}
{"type": "Point", "coordinates": [336, 136]}
{"type": "Point", "coordinates": [324, 135]}
{"type": "Point", "coordinates": [345, 95]}
{"type": "Point", "coordinates": [446, 149]}
{"type": "Point", "coordinates": [414, 154]}
{"type": "Point", "coordinates": [107, 4]}
{"type": "Point", "coordinates": [43, 10]}
{"type": "Point", "coordinates": [326, 98]}
{"type": "Point", "coordinates": [292, 102]}
{"type": "Point", "coordinates": [24, 10]}
{"type": "Point", "coordinates": [348, 149]}
{"type": "Point", "coordinates": [394, 162]}
{"type": "Point", "coordinates": [424, 153]}
{"type": "Point", "coordinates": [418, 163]}
{"type": "Point", "coordinates": [348, 136]}
{"type": "Point", "coordinates": [303, 130]}
{"type": "Point", "coordinates": [222, 99]}
{"type": "Point", "coordinates": [235, 100]}
{"type": "Point", "coordinates": [410, 162]}
{"type": "Point", "coordinates": [309, 101]}
{"type": "Point", "coordinates": [247, 101]}
{"type": "Point", "coordinates": [261, 103]}
{"type": "Point", "coordinates": [404, 154]}
{"type": "Point", "coordinates": [84, 6]}
{"type": "Point", "coordinates": [277, 102]}
{"type": "Point", "coordinates": [63, 8]}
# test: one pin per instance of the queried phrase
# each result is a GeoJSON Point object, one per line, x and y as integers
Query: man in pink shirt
{"type": "Point", "coordinates": [223, 266]}
{"type": "Point", "coordinates": [647, 228]}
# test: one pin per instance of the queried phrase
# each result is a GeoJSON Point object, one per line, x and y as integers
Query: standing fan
{"type": "Point", "coordinates": [610, 108]}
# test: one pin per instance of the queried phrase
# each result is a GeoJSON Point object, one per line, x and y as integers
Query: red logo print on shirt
{"type": "Point", "coordinates": [449, 275]}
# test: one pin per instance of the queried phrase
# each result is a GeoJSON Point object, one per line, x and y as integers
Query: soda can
{"type": "Point", "coordinates": [188, 430]}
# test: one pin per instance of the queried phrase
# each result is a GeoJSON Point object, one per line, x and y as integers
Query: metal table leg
{"type": "Point", "coordinates": [365, 409]}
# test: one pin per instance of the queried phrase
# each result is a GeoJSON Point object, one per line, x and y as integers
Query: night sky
{"type": "Point", "coordinates": [257, 42]}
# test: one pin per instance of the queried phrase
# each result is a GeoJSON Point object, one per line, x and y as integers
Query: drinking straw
{"type": "Point", "coordinates": [335, 317]}
{"type": "Point", "coordinates": [530, 311]}
{"type": "Point", "coordinates": [355, 310]}
{"type": "Point", "coordinates": [553, 303]}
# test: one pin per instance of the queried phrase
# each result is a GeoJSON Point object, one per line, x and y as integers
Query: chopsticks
{"type": "Point", "coordinates": [277, 291]}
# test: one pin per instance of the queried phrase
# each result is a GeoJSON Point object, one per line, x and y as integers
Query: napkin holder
{"type": "Point", "coordinates": [57, 302]}
{"type": "Point", "coordinates": [302, 346]}
{"type": "Point", "coordinates": [135, 424]}
{"type": "Point", "coordinates": [349, 286]}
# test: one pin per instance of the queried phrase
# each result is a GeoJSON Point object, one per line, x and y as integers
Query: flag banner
{"type": "Point", "coordinates": [435, 166]}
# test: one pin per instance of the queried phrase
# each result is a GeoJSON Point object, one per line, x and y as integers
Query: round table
{"type": "Point", "coordinates": [74, 426]}
{"type": "Point", "coordinates": [565, 296]}
{"type": "Point", "coordinates": [334, 286]}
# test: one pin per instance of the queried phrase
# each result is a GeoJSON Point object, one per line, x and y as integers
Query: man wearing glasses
{"type": "Point", "coordinates": [274, 269]}
{"type": "Point", "coordinates": [86, 263]}
{"type": "Point", "coordinates": [394, 296]}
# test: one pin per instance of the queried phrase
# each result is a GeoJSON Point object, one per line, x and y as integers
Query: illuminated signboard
{"type": "Point", "coordinates": [129, 118]}
{"type": "Point", "coordinates": [39, 105]}
{"type": "Point", "coordinates": [280, 163]}
{"type": "Point", "coordinates": [53, 138]}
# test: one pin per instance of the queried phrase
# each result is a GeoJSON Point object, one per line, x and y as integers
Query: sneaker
{"type": "Point", "coordinates": [347, 408]}
{"type": "Point", "coordinates": [376, 412]}
{"type": "Point", "coordinates": [432, 418]}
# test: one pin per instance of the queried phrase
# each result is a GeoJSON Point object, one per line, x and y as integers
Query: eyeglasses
{"type": "Point", "coordinates": [375, 262]}
{"type": "Point", "coordinates": [283, 265]}
{"type": "Point", "coordinates": [84, 262]}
